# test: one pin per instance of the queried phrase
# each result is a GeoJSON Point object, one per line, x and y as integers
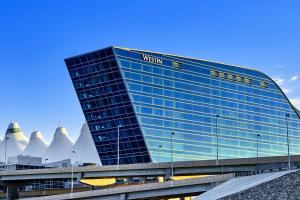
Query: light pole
{"type": "Point", "coordinates": [159, 147]}
{"type": "Point", "coordinates": [72, 174]}
{"type": "Point", "coordinates": [217, 138]}
{"type": "Point", "coordinates": [6, 138]}
{"type": "Point", "coordinates": [172, 160]}
{"type": "Point", "coordinates": [288, 140]}
{"type": "Point", "coordinates": [118, 143]}
{"type": "Point", "coordinates": [257, 136]}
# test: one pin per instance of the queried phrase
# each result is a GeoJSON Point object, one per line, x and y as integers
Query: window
{"type": "Point", "coordinates": [247, 80]}
{"type": "Point", "coordinates": [225, 75]}
{"type": "Point", "coordinates": [136, 66]}
{"type": "Point", "coordinates": [230, 77]}
{"type": "Point", "coordinates": [233, 77]}
{"type": "Point", "coordinates": [243, 79]}
{"type": "Point", "coordinates": [238, 79]}
{"type": "Point", "coordinates": [212, 72]}
{"type": "Point", "coordinates": [221, 74]}
{"type": "Point", "coordinates": [177, 65]}
{"type": "Point", "coordinates": [263, 84]}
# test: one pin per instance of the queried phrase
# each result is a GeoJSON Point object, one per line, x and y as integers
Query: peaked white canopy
{"type": "Point", "coordinates": [60, 146]}
{"type": "Point", "coordinates": [84, 150]}
{"type": "Point", "coordinates": [14, 142]}
{"type": "Point", "coordinates": [37, 145]}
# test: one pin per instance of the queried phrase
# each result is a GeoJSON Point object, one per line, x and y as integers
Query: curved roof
{"type": "Point", "coordinates": [37, 145]}
{"type": "Point", "coordinates": [84, 150]}
{"type": "Point", "coordinates": [60, 146]}
{"type": "Point", "coordinates": [14, 142]}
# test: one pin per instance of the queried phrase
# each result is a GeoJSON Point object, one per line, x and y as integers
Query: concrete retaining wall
{"type": "Point", "coordinates": [286, 187]}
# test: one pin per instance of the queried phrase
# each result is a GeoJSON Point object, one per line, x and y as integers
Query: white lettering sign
{"type": "Point", "coordinates": [152, 59]}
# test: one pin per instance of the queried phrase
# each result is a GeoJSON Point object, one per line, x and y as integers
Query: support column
{"type": "Point", "coordinates": [168, 175]}
{"type": "Point", "coordinates": [123, 197]}
{"type": "Point", "coordinates": [12, 193]}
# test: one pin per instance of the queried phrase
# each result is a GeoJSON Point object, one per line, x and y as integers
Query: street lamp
{"type": "Point", "coordinates": [72, 173]}
{"type": "Point", "coordinates": [288, 140]}
{"type": "Point", "coordinates": [159, 148]}
{"type": "Point", "coordinates": [6, 138]}
{"type": "Point", "coordinates": [172, 160]}
{"type": "Point", "coordinates": [217, 138]}
{"type": "Point", "coordinates": [118, 143]}
{"type": "Point", "coordinates": [257, 136]}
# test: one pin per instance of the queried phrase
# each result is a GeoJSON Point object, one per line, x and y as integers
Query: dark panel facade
{"type": "Point", "coordinates": [106, 105]}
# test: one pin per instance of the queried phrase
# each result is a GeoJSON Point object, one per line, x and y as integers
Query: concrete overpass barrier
{"type": "Point", "coordinates": [155, 169]}
{"type": "Point", "coordinates": [164, 189]}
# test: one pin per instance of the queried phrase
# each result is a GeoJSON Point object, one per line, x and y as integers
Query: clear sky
{"type": "Point", "coordinates": [35, 37]}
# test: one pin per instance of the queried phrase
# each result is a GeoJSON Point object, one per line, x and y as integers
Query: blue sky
{"type": "Point", "coordinates": [35, 37]}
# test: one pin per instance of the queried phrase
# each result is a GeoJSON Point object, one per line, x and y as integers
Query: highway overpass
{"type": "Point", "coordinates": [14, 179]}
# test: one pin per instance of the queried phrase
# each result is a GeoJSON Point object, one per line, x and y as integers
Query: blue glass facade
{"type": "Point", "coordinates": [211, 108]}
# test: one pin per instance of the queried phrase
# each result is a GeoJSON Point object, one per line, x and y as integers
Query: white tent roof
{"type": "Point", "coordinates": [14, 142]}
{"type": "Point", "coordinates": [37, 145]}
{"type": "Point", "coordinates": [84, 150]}
{"type": "Point", "coordinates": [60, 146]}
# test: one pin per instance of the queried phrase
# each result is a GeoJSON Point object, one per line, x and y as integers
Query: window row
{"type": "Point", "coordinates": [113, 123]}
{"type": "Point", "coordinates": [104, 102]}
{"type": "Point", "coordinates": [190, 102]}
{"type": "Point", "coordinates": [109, 112]}
{"type": "Point", "coordinates": [230, 77]}
{"type": "Point", "coordinates": [102, 78]}
{"type": "Point", "coordinates": [204, 118]}
{"type": "Point", "coordinates": [99, 91]}
{"type": "Point", "coordinates": [99, 67]}
{"type": "Point", "coordinates": [182, 92]}
{"type": "Point", "coordinates": [245, 130]}
{"type": "Point", "coordinates": [90, 57]}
